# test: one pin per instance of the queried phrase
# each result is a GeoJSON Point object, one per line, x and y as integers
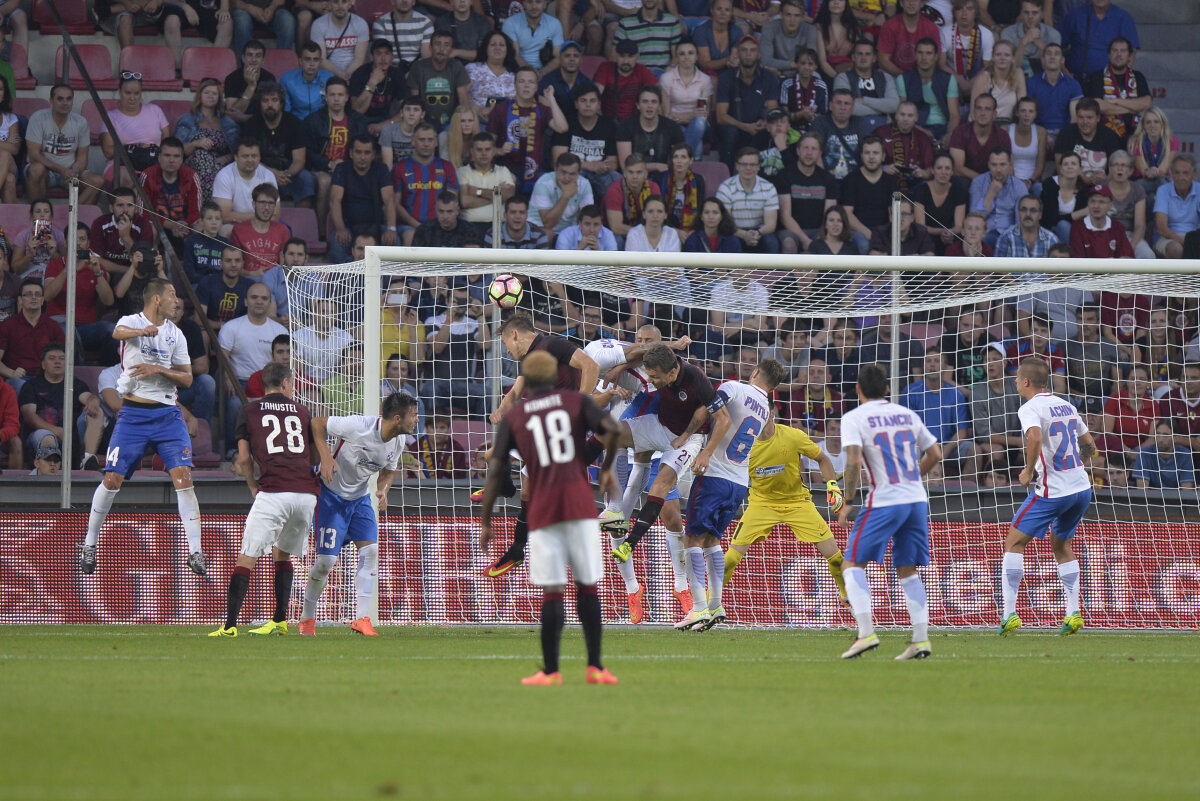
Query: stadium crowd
{"type": "Point", "coordinates": [1014, 128]}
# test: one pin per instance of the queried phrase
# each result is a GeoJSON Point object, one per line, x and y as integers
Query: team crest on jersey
{"type": "Point", "coordinates": [170, 340]}
{"type": "Point", "coordinates": [683, 396]}
{"type": "Point", "coordinates": [186, 452]}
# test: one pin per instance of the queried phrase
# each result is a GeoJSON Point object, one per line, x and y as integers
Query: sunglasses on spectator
{"type": "Point", "coordinates": [131, 76]}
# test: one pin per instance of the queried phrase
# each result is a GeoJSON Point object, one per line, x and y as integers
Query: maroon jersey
{"type": "Point", "coordinates": [1184, 413]}
{"type": "Point", "coordinates": [279, 431]}
{"type": "Point", "coordinates": [677, 402]}
{"type": "Point", "coordinates": [564, 351]}
{"type": "Point", "coordinates": [550, 431]}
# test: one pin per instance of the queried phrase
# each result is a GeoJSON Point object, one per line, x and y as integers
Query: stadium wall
{"type": "Point", "coordinates": [1135, 575]}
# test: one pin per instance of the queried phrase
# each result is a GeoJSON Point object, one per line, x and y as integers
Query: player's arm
{"type": "Point", "coordinates": [124, 332]}
{"type": "Point", "coordinates": [383, 487]}
{"type": "Point", "coordinates": [497, 466]}
{"type": "Point", "coordinates": [833, 493]}
{"type": "Point", "coordinates": [699, 418]}
{"type": "Point", "coordinates": [589, 371]}
{"type": "Point", "coordinates": [243, 466]}
{"type": "Point", "coordinates": [1087, 446]}
{"type": "Point", "coordinates": [320, 433]}
{"type": "Point", "coordinates": [852, 475]}
{"type": "Point", "coordinates": [178, 374]}
{"type": "Point", "coordinates": [1033, 449]}
{"type": "Point", "coordinates": [509, 400]}
{"type": "Point", "coordinates": [930, 458]}
{"type": "Point", "coordinates": [721, 421]}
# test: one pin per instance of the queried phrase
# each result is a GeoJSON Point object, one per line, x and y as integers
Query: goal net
{"type": "Point", "coordinates": [1122, 344]}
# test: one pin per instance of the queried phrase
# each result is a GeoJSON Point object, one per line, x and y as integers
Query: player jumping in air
{"type": "Point", "coordinates": [274, 433]}
{"type": "Point", "coordinates": [549, 429]}
{"type": "Point", "coordinates": [1057, 443]}
{"type": "Point", "coordinates": [778, 494]}
{"type": "Point", "coordinates": [362, 447]}
{"type": "Point", "coordinates": [576, 371]}
{"type": "Point", "coordinates": [154, 364]}
{"type": "Point", "coordinates": [897, 449]}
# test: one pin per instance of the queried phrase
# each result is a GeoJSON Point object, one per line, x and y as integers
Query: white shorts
{"type": "Point", "coordinates": [573, 542]}
{"type": "Point", "coordinates": [651, 435]}
{"type": "Point", "coordinates": [282, 519]}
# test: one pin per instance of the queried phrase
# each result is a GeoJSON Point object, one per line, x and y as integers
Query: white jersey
{"type": "Point", "coordinates": [360, 453]}
{"type": "Point", "coordinates": [892, 438]}
{"type": "Point", "coordinates": [167, 349]}
{"type": "Point", "coordinates": [749, 407]}
{"type": "Point", "coordinates": [610, 353]}
{"type": "Point", "coordinates": [1059, 469]}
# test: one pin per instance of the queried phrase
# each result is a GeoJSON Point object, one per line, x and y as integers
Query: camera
{"type": "Point", "coordinates": [146, 268]}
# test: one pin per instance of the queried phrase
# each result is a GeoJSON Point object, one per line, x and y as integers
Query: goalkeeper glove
{"type": "Point", "coordinates": [834, 496]}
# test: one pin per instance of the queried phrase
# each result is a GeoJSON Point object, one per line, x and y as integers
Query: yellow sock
{"type": "Point", "coordinates": [732, 557]}
{"type": "Point", "coordinates": [835, 570]}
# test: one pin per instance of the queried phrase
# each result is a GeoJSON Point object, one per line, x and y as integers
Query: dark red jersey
{"type": "Point", "coordinates": [678, 401]}
{"type": "Point", "coordinates": [564, 351]}
{"type": "Point", "coordinates": [550, 431]}
{"type": "Point", "coordinates": [279, 431]}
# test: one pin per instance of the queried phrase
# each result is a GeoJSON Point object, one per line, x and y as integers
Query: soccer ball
{"type": "Point", "coordinates": [506, 291]}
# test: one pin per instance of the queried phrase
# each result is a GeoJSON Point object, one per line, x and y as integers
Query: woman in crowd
{"type": "Point", "coordinates": [941, 204]}
{"type": "Point", "coordinates": [834, 236]}
{"type": "Point", "coordinates": [35, 246]}
{"type": "Point", "coordinates": [10, 146]}
{"type": "Point", "coordinates": [1129, 414]}
{"type": "Point", "coordinates": [688, 96]}
{"type": "Point", "coordinates": [141, 127]}
{"type": "Point", "coordinates": [838, 29]}
{"type": "Point", "coordinates": [716, 39]}
{"type": "Point", "coordinates": [1129, 202]}
{"type": "Point", "coordinates": [1030, 144]}
{"type": "Point", "coordinates": [713, 230]}
{"type": "Point", "coordinates": [454, 143]}
{"type": "Point", "coordinates": [682, 189]}
{"type": "Point", "coordinates": [653, 235]}
{"type": "Point", "coordinates": [492, 73]}
{"type": "Point", "coordinates": [1002, 76]}
{"type": "Point", "coordinates": [1160, 351]}
{"type": "Point", "coordinates": [208, 136]}
{"type": "Point", "coordinates": [1063, 202]}
{"type": "Point", "coordinates": [1152, 146]}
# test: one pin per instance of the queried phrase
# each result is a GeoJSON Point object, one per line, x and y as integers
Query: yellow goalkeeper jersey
{"type": "Point", "coordinates": [775, 475]}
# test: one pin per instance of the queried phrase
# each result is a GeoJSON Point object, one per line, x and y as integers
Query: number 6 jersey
{"type": "Point", "coordinates": [279, 431]}
{"type": "Point", "coordinates": [1059, 469]}
{"type": "Point", "coordinates": [748, 407]}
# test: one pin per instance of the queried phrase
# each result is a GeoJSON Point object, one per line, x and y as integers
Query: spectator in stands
{"type": "Point", "coordinates": [996, 194]}
{"type": "Point", "coordinates": [876, 348]}
{"type": "Point", "coordinates": [1129, 203]}
{"type": "Point", "coordinates": [1183, 404]}
{"type": "Point", "coordinates": [1092, 142]}
{"type": "Point", "coordinates": [36, 245]}
{"type": "Point", "coordinates": [932, 90]}
{"type": "Point", "coordinates": [655, 31]}
{"type": "Point", "coordinates": [481, 182]}
{"type": "Point", "coordinates": [966, 46]}
{"type": "Point", "coordinates": [842, 134]}
{"type": "Point", "coordinates": [899, 36]}
{"type": "Point", "coordinates": [867, 193]}
{"type": "Point", "coordinates": [282, 145]}
{"type": "Point", "coordinates": [418, 179]}
{"type": "Point", "coordinates": [1094, 362]}
{"type": "Point", "coordinates": [306, 285]}
{"type": "Point", "coordinates": [1030, 145]}
{"type": "Point", "coordinates": [558, 196]}
{"type": "Point", "coordinates": [199, 397]}
{"type": "Point", "coordinates": [145, 264]}
{"type": "Point", "coordinates": [141, 128]}
{"type": "Point", "coordinates": [223, 296]}
{"type": "Point", "coordinates": [1086, 31]}
{"type": "Point", "coordinates": [409, 31]}
{"type": "Point", "coordinates": [441, 83]}
{"type": "Point", "coordinates": [717, 36]}
{"type": "Point", "coordinates": [653, 235]}
{"type": "Point", "coordinates": [973, 142]}
{"type": "Point", "coordinates": [1055, 92]}
{"type": "Point", "coordinates": [261, 238]}
{"type": "Point", "coordinates": [873, 90]}
{"type": "Point", "coordinates": [687, 96]}
{"type": "Point", "coordinates": [517, 232]}
{"type": "Point", "coordinates": [942, 406]}
{"type": "Point", "coordinates": [233, 188]}
{"type": "Point", "coordinates": [266, 13]}
{"type": "Point", "coordinates": [714, 230]}
{"type": "Point", "coordinates": [1030, 36]}
{"type": "Point", "coordinates": [790, 349]}
{"type": "Point", "coordinates": [93, 292]}
{"type": "Point", "coordinates": [175, 191]}
{"type": "Point", "coordinates": [1097, 236]}
{"type": "Point", "coordinates": [247, 340]}
{"type": "Point", "coordinates": [537, 35]}
{"type": "Point", "coordinates": [400, 328]}
{"type": "Point", "coordinates": [1130, 413]}
{"type": "Point", "coordinates": [361, 192]}
{"type": "Point", "coordinates": [965, 345]}
{"type": "Point", "coordinates": [43, 409]}
{"type": "Point", "coordinates": [1003, 79]}
{"type": "Point", "coordinates": [835, 236]}
{"type": "Point", "coordinates": [842, 356]}
{"type": "Point", "coordinates": [804, 95]}
{"type": "Point", "coordinates": [994, 422]}
{"type": "Point", "coordinates": [682, 189]}
{"type": "Point", "coordinates": [592, 138]}
{"type": "Point", "coordinates": [10, 428]}
{"type": "Point", "coordinates": [1038, 343]}
{"type": "Point", "coordinates": [330, 130]}
{"type": "Point", "coordinates": [589, 233]}
{"type": "Point", "coordinates": [941, 203]}
{"type": "Point", "coordinates": [753, 202]}
{"type": "Point", "coordinates": [16, 19]}
{"type": "Point", "coordinates": [10, 288]}
{"type": "Point", "coordinates": [1177, 207]}
{"type": "Point", "coordinates": [972, 244]}
{"type": "Point", "coordinates": [202, 250]}
{"type": "Point", "coordinates": [914, 239]}
{"type": "Point", "coordinates": [397, 377]}
{"type": "Point", "coordinates": [343, 37]}
{"type": "Point", "coordinates": [520, 124]}
{"type": "Point", "coordinates": [318, 347]}
{"type": "Point", "coordinates": [304, 87]}
{"type": "Point", "coordinates": [908, 150]}
{"type": "Point", "coordinates": [242, 84]}
{"type": "Point", "coordinates": [376, 85]}
{"type": "Point", "coordinates": [1063, 197]}
{"type": "Point", "coordinates": [625, 201]}
{"type": "Point", "coordinates": [458, 337]}
{"type": "Point", "coordinates": [454, 141]}
{"type": "Point", "coordinates": [441, 456]}
{"type": "Point", "coordinates": [114, 234]}
{"type": "Point", "coordinates": [47, 461]}
{"type": "Point", "coordinates": [817, 402]}
{"type": "Point", "coordinates": [120, 17]}
{"type": "Point", "coordinates": [281, 353]}
{"type": "Point", "coordinates": [621, 81]}
{"type": "Point", "coordinates": [1123, 92]}
{"type": "Point", "coordinates": [57, 143]}
{"type": "Point", "coordinates": [492, 71]}
{"type": "Point", "coordinates": [1152, 147]}
{"type": "Point", "coordinates": [568, 80]}
{"type": "Point", "coordinates": [783, 36]}
{"type": "Point", "coordinates": [744, 96]}
{"type": "Point", "coordinates": [445, 230]}
{"type": "Point", "coordinates": [468, 27]}
{"type": "Point", "coordinates": [395, 139]}
{"type": "Point", "coordinates": [343, 391]}
{"type": "Point", "coordinates": [1163, 464]}
{"type": "Point", "coordinates": [206, 135]}
{"type": "Point", "coordinates": [1160, 350]}
{"type": "Point", "coordinates": [839, 30]}
{"type": "Point", "coordinates": [806, 191]}
{"type": "Point", "coordinates": [648, 133]}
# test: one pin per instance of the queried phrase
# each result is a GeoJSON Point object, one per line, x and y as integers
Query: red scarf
{"type": "Point", "coordinates": [1118, 86]}
{"type": "Point", "coordinates": [967, 62]}
{"type": "Point", "coordinates": [685, 216]}
{"type": "Point", "coordinates": [634, 205]}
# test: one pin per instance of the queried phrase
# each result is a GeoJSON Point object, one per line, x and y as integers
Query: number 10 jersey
{"type": "Point", "coordinates": [892, 438]}
{"type": "Point", "coordinates": [279, 431]}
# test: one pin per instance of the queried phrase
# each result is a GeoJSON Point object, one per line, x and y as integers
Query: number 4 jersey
{"type": "Point", "coordinates": [892, 438]}
{"type": "Point", "coordinates": [280, 435]}
{"type": "Point", "coordinates": [748, 407]}
{"type": "Point", "coordinates": [1059, 469]}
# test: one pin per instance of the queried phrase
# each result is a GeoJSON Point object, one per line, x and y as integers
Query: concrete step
{"type": "Point", "coordinates": [1164, 12]}
{"type": "Point", "coordinates": [1168, 65]}
{"type": "Point", "coordinates": [1176, 93]}
{"type": "Point", "coordinates": [1181, 36]}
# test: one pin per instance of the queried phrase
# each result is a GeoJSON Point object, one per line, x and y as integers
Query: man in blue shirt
{"type": "Point", "coordinates": [588, 234]}
{"type": "Point", "coordinates": [1054, 91]}
{"type": "Point", "coordinates": [531, 31]}
{"type": "Point", "coordinates": [305, 87]}
{"type": "Point", "coordinates": [1087, 30]}
{"type": "Point", "coordinates": [1164, 465]}
{"type": "Point", "coordinates": [1177, 207]}
{"type": "Point", "coordinates": [744, 96]}
{"type": "Point", "coordinates": [942, 407]}
{"type": "Point", "coordinates": [996, 193]}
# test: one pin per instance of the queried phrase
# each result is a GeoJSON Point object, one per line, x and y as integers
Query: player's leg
{"type": "Point", "coordinates": [671, 464]}
{"type": "Point", "coordinates": [364, 531]}
{"type": "Point", "coordinates": [587, 566]}
{"type": "Point", "coordinates": [1070, 514]}
{"type": "Point", "coordinates": [130, 434]}
{"type": "Point", "coordinates": [714, 561]}
{"type": "Point", "coordinates": [170, 438]}
{"type": "Point", "coordinates": [239, 584]}
{"type": "Point", "coordinates": [868, 541]}
{"type": "Point", "coordinates": [294, 527]}
{"type": "Point", "coordinates": [515, 554]}
{"type": "Point", "coordinates": [910, 547]}
{"type": "Point", "coordinates": [672, 521]}
{"type": "Point", "coordinates": [1030, 521]}
{"type": "Point", "coordinates": [548, 556]}
{"type": "Point", "coordinates": [757, 523]}
{"type": "Point", "coordinates": [330, 523]}
{"type": "Point", "coordinates": [617, 527]}
{"type": "Point", "coordinates": [263, 523]}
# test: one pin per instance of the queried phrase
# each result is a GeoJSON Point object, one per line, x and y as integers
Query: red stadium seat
{"type": "Point", "coordinates": [156, 63]}
{"type": "Point", "coordinates": [96, 60]}
{"type": "Point", "coordinates": [278, 61]}
{"type": "Point", "coordinates": [303, 223]}
{"type": "Point", "coordinates": [75, 16]}
{"type": "Point", "coordinates": [589, 64]}
{"type": "Point", "coordinates": [92, 115]}
{"type": "Point", "coordinates": [203, 454]}
{"type": "Point", "coordinates": [13, 217]}
{"type": "Point", "coordinates": [714, 173]}
{"type": "Point", "coordinates": [207, 62]}
{"type": "Point", "coordinates": [26, 106]}
{"type": "Point", "coordinates": [174, 109]}
{"type": "Point", "coordinates": [19, 61]}
{"type": "Point", "coordinates": [89, 375]}
{"type": "Point", "coordinates": [372, 9]}
{"type": "Point", "coordinates": [87, 214]}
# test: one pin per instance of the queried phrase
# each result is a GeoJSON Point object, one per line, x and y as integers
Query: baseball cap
{"type": "Point", "coordinates": [776, 114]}
{"type": "Point", "coordinates": [1100, 189]}
{"type": "Point", "coordinates": [749, 36]}
{"type": "Point", "coordinates": [48, 452]}
{"type": "Point", "coordinates": [570, 43]}
{"type": "Point", "coordinates": [996, 346]}
{"type": "Point", "coordinates": [627, 47]}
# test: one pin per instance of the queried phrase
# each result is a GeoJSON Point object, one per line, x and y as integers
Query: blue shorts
{"type": "Point", "coordinates": [673, 495]}
{"type": "Point", "coordinates": [712, 505]}
{"type": "Point", "coordinates": [1060, 515]}
{"type": "Point", "coordinates": [139, 430]}
{"type": "Point", "coordinates": [339, 521]}
{"type": "Point", "coordinates": [905, 525]}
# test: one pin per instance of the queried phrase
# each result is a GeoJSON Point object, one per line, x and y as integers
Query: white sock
{"type": "Point", "coordinates": [714, 557]}
{"type": "Point", "coordinates": [918, 607]}
{"type": "Point", "coordinates": [317, 578]}
{"type": "Point", "coordinates": [189, 513]}
{"type": "Point", "coordinates": [1012, 570]}
{"type": "Point", "coordinates": [625, 568]}
{"type": "Point", "coordinates": [633, 489]}
{"type": "Point", "coordinates": [102, 501]}
{"type": "Point", "coordinates": [678, 556]}
{"type": "Point", "coordinates": [859, 593]}
{"type": "Point", "coordinates": [366, 578]}
{"type": "Point", "coordinates": [696, 574]}
{"type": "Point", "coordinates": [1069, 573]}
{"type": "Point", "coordinates": [621, 467]}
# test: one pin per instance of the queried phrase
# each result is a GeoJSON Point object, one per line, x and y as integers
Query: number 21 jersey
{"type": "Point", "coordinates": [1059, 469]}
{"type": "Point", "coordinates": [280, 435]}
{"type": "Point", "coordinates": [892, 438]}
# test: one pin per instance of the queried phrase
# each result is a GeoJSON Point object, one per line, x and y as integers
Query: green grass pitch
{"type": "Point", "coordinates": [166, 713]}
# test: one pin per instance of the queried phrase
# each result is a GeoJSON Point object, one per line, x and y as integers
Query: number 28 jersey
{"type": "Point", "coordinates": [1059, 469]}
{"type": "Point", "coordinates": [749, 407]}
{"type": "Point", "coordinates": [892, 438]}
{"type": "Point", "coordinates": [280, 435]}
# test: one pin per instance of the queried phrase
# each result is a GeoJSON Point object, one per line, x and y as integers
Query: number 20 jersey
{"type": "Point", "coordinates": [892, 438]}
{"type": "Point", "coordinates": [279, 431]}
{"type": "Point", "coordinates": [1059, 469]}
{"type": "Point", "coordinates": [749, 407]}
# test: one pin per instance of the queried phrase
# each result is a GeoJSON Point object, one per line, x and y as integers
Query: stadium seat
{"type": "Point", "coordinates": [75, 16]}
{"type": "Point", "coordinates": [13, 217]}
{"type": "Point", "coordinates": [303, 223]}
{"type": "Point", "coordinates": [589, 64]}
{"type": "Point", "coordinates": [19, 61]}
{"type": "Point", "coordinates": [714, 173]}
{"type": "Point", "coordinates": [26, 106]}
{"type": "Point", "coordinates": [156, 63]}
{"type": "Point", "coordinates": [371, 9]}
{"type": "Point", "coordinates": [277, 61]}
{"type": "Point", "coordinates": [203, 454]}
{"type": "Point", "coordinates": [92, 115]}
{"type": "Point", "coordinates": [174, 109]}
{"type": "Point", "coordinates": [89, 374]}
{"type": "Point", "coordinates": [926, 333]}
{"type": "Point", "coordinates": [96, 60]}
{"type": "Point", "coordinates": [207, 62]}
{"type": "Point", "coordinates": [87, 214]}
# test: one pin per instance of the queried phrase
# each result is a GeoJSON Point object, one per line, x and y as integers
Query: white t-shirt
{"type": "Point", "coordinates": [318, 355]}
{"type": "Point", "coordinates": [740, 302]}
{"type": "Point", "coordinates": [749, 407]}
{"type": "Point", "coordinates": [339, 38]}
{"type": "Point", "coordinates": [986, 40]}
{"type": "Point", "coordinates": [838, 459]}
{"type": "Point", "coordinates": [108, 379]}
{"type": "Point", "coordinates": [1059, 469]}
{"type": "Point", "coordinates": [892, 439]}
{"type": "Point", "coordinates": [230, 185]}
{"type": "Point", "coordinates": [248, 345]}
{"type": "Point", "coordinates": [167, 349]}
{"type": "Point", "coordinates": [360, 452]}
{"type": "Point", "coordinates": [610, 353]}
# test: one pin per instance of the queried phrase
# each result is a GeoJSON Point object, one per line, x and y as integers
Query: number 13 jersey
{"type": "Point", "coordinates": [360, 453]}
{"type": "Point", "coordinates": [1059, 469]}
{"type": "Point", "coordinates": [892, 438]}
{"type": "Point", "coordinates": [279, 431]}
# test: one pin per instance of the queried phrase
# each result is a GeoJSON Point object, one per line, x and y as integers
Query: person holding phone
{"type": "Point", "coordinates": [34, 247]}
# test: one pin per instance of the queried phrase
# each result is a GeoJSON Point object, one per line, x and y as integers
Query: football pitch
{"type": "Point", "coordinates": [92, 712]}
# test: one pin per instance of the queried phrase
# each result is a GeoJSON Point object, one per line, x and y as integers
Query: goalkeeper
{"type": "Point", "coordinates": [778, 494]}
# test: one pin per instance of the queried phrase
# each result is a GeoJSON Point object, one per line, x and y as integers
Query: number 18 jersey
{"type": "Point", "coordinates": [1059, 469]}
{"type": "Point", "coordinates": [892, 438]}
{"type": "Point", "coordinates": [749, 407]}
